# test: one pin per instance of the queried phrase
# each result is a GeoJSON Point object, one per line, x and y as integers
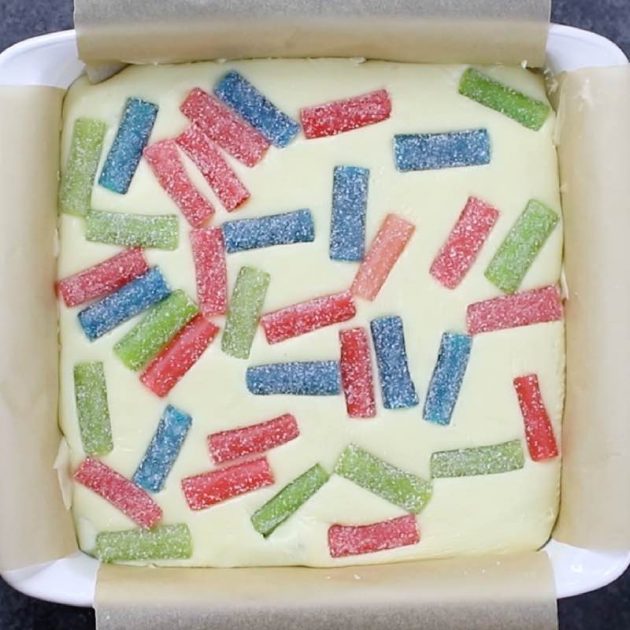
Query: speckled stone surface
{"type": "Point", "coordinates": [607, 608]}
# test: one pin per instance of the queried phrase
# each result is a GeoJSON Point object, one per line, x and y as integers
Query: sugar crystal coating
{"type": "Point", "coordinates": [297, 378]}
{"type": "Point", "coordinates": [356, 373]}
{"type": "Point", "coordinates": [208, 250]}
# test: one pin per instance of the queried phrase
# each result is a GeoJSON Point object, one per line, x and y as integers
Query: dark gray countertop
{"type": "Point", "coordinates": [607, 608]}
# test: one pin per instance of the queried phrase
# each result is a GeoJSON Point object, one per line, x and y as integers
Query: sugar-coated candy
{"type": "Point", "coordinates": [231, 132]}
{"type": "Point", "coordinates": [132, 136]}
{"type": "Point", "coordinates": [356, 373]}
{"type": "Point", "coordinates": [349, 207]}
{"type": "Point", "coordinates": [203, 491]}
{"type": "Point", "coordinates": [214, 167]}
{"type": "Point", "coordinates": [208, 250]}
{"type": "Point", "coordinates": [127, 302]}
{"type": "Point", "coordinates": [77, 179]}
{"type": "Point", "coordinates": [464, 242]}
{"type": "Point", "coordinates": [132, 230]}
{"type": "Point", "coordinates": [161, 323]}
{"type": "Point", "coordinates": [165, 542]}
{"type": "Point", "coordinates": [541, 441]}
{"type": "Point", "coordinates": [511, 311]}
{"type": "Point", "coordinates": [124, 495]}
{"type": "Point", "coordinates": [479, 460]}
{"type": "Point", "coordinates": [239, 94]}
{"type": "Point", "coordinates": [254, 439]}
{"type": "Point", "coordinates": [179, 355]}
{"type": "Point", "coordinates": [528, 111]}
{"type": "Point", "coordinates": [165, 445]}
{"type": "Point", "coordinates": [447, 377]}
{"type": "Point", "coordinates": [305, 317]}
{"type": "Point", "coordinates": [385, 250]}
{"type": "Point", "coordinates": [353, 540]}
{"type": "Point", "coordinates": [103, 278]}
{"type": "Point", "coordinates": [298, 378]}
{"type": "Point", "coordinates": [521, 246]}
{"type": "Point", "coordinates": [280, 507]}
{"type": "Point", "coordinates": [165, 162]}
{"type": "Point", "coordinates": [397, 486]}
{"type": "Point", "coordinates": [274, 229]}
{"type": "Point", "coordinates": [90, 393]}
{"type": "Point", "coordinates": [346, 114]}
{"type": "Point", "coordinates": [244, 311]}
{"type": "Point", "coordinates": [397, 388]}
{"type": "Point", "coordinates": [451, 149]}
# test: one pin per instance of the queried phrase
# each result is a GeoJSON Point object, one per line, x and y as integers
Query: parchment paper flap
{"type": "Point", "coordinates": [474, 31]}
{"type": "Point", "coordinates": [512, 592]}
{"type": "Point", "coordinates": [34, 526]}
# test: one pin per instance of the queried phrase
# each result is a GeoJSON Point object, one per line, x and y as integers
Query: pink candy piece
{"type": "Point", "coordinates": [336, 117]}
{"type": "Point", "coordinates": [213, 166]}
{"type": "Point", "coordinates": [257, 438]}
{"type": "Point", "coordinates": [304, 317]}
{"type": "Point", "coordinates": [356, 373]}
{"type": "Point", "coordinates": [464, 242]}
{"type": "Point", "coordinates": [510, 311]}
{"type": "Point", "coordinates": [386, 248]}
{"type": "Point", "coordinates": [208, 249]}
{"type": "Point", "coordinates": [102, 279]}
{"type": "Point", "coordinates": [348, 540]}
{"type": "Point", "coordinates": [166, 164]}
{"type": "Point", "coordinates": [207, 489]}
{"type": "Point", "coordinates": [184, 350]}
{"type": "Point", "coordinates": [225, 127]}
{"type": "Point", "coordinates": [119, 491]}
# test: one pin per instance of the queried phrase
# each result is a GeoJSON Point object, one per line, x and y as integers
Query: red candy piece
{"type": "Point", "coordinates": [386, 248]}
{"type": "Point", "coordinates": [165, 162]}
{"type": "Point", "coordinates": [102, 279]}
{"type": "Point", "coordinates": [307, 316]}
{"type": "Point", "coordinates": [120, 492]}
{"type": "Point", "coordinates": [213, 166]}
{"type": "Point", "coordinates": [202, 491]}
{"type": "Point", "coordinates": [208, 251]}
{"type": "Point", "coordinates": [510, 311]}
{"type": "Point", "coordinates": [184, 350]}
{"type": "Point", "coordinates": [336, 117]}
{"type": "Point", "coordinates": [541, 441]}
{"type": "Point", "coordinates": [464, 242]}
{"type": "Point", "coordinates": [257, 438]}
{"type": "Point", "coordinates": [225, 127]}
{"type": "Point", "coordinates": [356, 373]}
{"type": "Point", "coordinates": [348, 540]}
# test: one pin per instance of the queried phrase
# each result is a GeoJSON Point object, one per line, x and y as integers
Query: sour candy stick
{"type": "Point", "coordinates": [208, 250]}
{"type": "Point", "coordinates": [296, 378]}
{"type": "Point", "coordinates": [77, 178]}
{"type": "Point", "coordinates": [356, 373]}
{"type": "Point", "coordinates": [120, 492]}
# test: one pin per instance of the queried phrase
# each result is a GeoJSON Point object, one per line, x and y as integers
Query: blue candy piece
{"type": "Point", "coordinates": [163, 450]}
{"type": "Point", "coordinates": [125, 303]}
{"type": "Point", "coordinates": [447, 377]}
{"type": "Point", "coordinates": [397, 387]}
{"type": "Point", "coordinates": [300, 378]}
{"type": "Point", "coordinates": [275, 229]}
{"type": "Point", "coordinates": [347, 228]}
{"type": "Point", "coordinates": [426, 151]}
{"type": "Point", "coordinates": [237, 92]}
{"type": "Point", "coordinates": [126, 150]}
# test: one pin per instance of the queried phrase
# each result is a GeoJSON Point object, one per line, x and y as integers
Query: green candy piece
{"type": "Point", "coordinates": [288, 500]}
{"type": "Point", "coordinates": [244, 312]}
{"type": "Point", "coordinates": [482, 460]}
{"type": "Point", "coordinates": [77, 179]}
{"type": "Point", "coordinates": [401, 488]}
{"type": "Point", "coordinates": [161, 323]}
{"type": "Point", "coordinates": [521, 246]}
{"type": "Point", "coordinates": [132, 230]}
{"type": "Point", "coordinates": [166, 542]}
{"type": "Point", "coordinates": [528, 111]}
{"type": "Point", "coordinates": [90, 393]}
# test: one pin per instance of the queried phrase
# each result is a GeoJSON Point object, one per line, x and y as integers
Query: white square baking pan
{"type": "Point", "coordinates": [52, 60]}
